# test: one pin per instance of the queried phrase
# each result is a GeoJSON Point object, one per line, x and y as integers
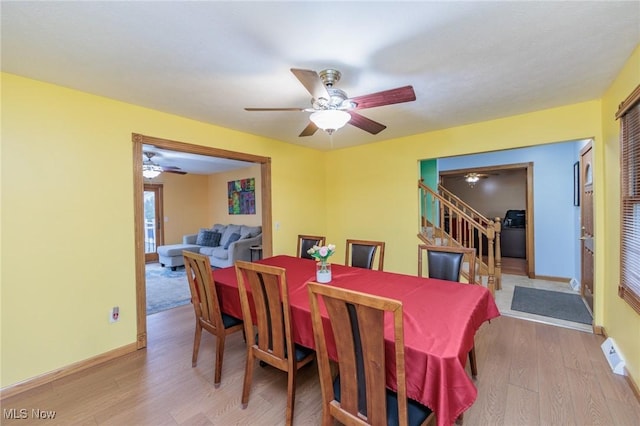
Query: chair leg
{"type": "Point", "coordinates": [219, 354]}
{"type": "Point", "coordinates": [248, 373]}
{"type": "Point", "coordinates": [291, 395]}
{"type": "Point", "coordinates": [196, 344]}
{"type": "Point", "coordinates": [472, 362]}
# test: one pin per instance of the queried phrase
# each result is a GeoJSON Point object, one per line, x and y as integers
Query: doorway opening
{"type": "Point", "coordinates": [139, 217]}
{"type": "Point", "coordinates": [153, 224]}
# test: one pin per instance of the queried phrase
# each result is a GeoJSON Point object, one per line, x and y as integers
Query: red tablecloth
{"type": "Point", "coordinates": [440, 321]}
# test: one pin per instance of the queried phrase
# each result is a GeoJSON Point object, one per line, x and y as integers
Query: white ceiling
{"type": "Point", "coordinates": [192, 163]}
{"type": "Point", "coordinates": [467, 61]}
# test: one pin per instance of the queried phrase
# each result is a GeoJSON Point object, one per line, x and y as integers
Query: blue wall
{"type": "Point", "coordinates": [556, 219]}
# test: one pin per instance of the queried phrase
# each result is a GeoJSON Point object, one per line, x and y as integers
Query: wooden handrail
{"type": "Point", "coordinates": [446, 194]}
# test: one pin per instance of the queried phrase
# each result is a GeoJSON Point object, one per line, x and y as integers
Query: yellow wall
{"type": "Point", "coordinates": [186, 205]}
{"type": "Point", "coordinates": [218, 206]}
{"type": "Point", "coordinates": [621, 322]}
{"type": "Point", "coordinates": [367, 192]}
{"type": "Point", "coordinates": [373, 188]}
{"type": "Point", "coordinates": [68, 217]}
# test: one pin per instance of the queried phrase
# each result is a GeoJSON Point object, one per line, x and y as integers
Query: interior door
{"type": "Point", "coordinates": [153, 223]}
{"type": "Point", "coordinates": [586, 221]}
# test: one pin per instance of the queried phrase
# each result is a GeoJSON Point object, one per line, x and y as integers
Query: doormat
{"type": "Point", "coordinates": [564, 306]}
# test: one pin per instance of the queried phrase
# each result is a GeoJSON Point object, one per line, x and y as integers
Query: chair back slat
{"type": "Point", "coordinates": [444, 266]}
{"type": "Point", "coordinates": [357, 325]}
{"type": "Point", "coordinates": [268, 288]}
{"type": "Point", "coordinates": [203, 293]}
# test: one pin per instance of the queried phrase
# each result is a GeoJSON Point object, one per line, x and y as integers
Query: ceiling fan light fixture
{"type": "Point", "coordinates": [330, 120]}
{"type": "Point", "coordinates": [472, 177]}
{"type": "Point", "coordinates": [151, 170]}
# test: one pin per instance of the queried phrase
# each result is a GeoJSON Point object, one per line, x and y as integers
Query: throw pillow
{"type": "Point", "coordinates": [201, 236]}
{"type": "Point", "coordinates": [208, 238]}
{"type": "Point", "coordinates": [232, 238]}
{"type": "Point", "coordinates": [228, 231]}
{"type": "Point", "coordinates": [215, 239]}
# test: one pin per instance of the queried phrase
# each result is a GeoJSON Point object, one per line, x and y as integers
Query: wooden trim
{"type": "Point", "coordinates": [158, 188]}
{"type": "Point", "coordinates": [551, 278]}
{"type": "Point", "coordinates": [138, 226]}
{"type": "Point", "coordinates": [138, 185]}
{"type": "Point", "coordinates": [198, 149]}
{"type": "Point", "coordinates": [630, 101]}
{"type": "Point", "coordinates": [76, 367]}
{"type": "Point", "coordinates": [632, 384]}
{"type": "Point", "coordinates": [530, 224]}
{"type": "Point", "coordinates": [530, 228]}
{"type": "Point", "coordinates": [627, 376]}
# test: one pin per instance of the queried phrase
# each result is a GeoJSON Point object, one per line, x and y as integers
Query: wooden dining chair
{"type": "Point", "coordinates": [445, 263]}
{"type": "Point", "coordinates": [361, 253]}
{"type": "Point", "coordinates": [305, 242]}
{"type": "Point", "coordinates": [358, 395]}
{"type": "Point", "coordinates": [273, 343]}
{"type": "Point", "coordinates": [206, 305]}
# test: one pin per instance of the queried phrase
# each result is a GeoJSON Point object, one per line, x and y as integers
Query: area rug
{"type": "Point", "coordinates": [554, 304]}
{"type": "Point", "coordinates": [166, 289]}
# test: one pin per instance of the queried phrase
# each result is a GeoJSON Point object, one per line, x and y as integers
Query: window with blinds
{"type": "Point", "coordinates": [629, 115]}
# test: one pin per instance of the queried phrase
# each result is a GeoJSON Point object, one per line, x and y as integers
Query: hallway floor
{"type": "Point", "coordinates": [504, 297]}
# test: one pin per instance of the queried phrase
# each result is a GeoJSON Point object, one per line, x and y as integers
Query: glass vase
{"type": "Point", "coordinates": [323, 272]}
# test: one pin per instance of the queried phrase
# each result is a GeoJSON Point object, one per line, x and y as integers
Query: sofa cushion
{"type": "Point", "coordinates": [230, 229]}
{"type": "Point", "coordinates": [232, 238]}
{"type": "Point", "coordinates": [208, 251]}
{"type": "Point", "coordinates": [218, 227]}
{"type": "Point", "coordinates": [249, 231]}
{"type": "Point", "coordinates": [209, 238]}
{"type": "Point", "coordinates": [173, 250]}
{"type": "Point", "coordinates": [220, 253]}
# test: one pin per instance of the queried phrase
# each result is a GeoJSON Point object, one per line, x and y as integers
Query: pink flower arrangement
{"type": "Point", "coordinates": [322, 253]}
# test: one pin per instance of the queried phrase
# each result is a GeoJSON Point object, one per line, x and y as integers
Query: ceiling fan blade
{"type": "Point", "coordinates": [309, 130]}
{"type": "Point", "coordinates": [386, 97]}
{"type": "Point", "coordinates": [312, 82]}
{"type": "Point", "coordinates": [274, 109]}
{"type": "Point", "coordinates": [365, 123]}
{"type": "Point", "coordinates": [178, 172]}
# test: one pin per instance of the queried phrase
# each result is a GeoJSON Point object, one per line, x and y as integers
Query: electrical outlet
{"type": "Point", "coordinates": [114, 314]}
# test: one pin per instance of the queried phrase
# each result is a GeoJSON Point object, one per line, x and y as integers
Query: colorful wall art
{"type": "Point", "coordinates": [242, 196]}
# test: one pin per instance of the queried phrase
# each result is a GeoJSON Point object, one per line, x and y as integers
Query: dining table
{"type": "Point", "coordinates": [440, 322]}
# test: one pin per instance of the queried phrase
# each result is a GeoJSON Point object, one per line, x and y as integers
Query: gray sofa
{"type": "Point", "coordinates": [231, 243]}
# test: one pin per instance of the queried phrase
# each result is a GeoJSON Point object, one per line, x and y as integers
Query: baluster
{"type": "Point", "coordinates": [498, 229]}
{"type": "Point", "coordinates": [491, 279]}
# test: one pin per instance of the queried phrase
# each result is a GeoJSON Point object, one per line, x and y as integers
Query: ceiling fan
{"type": "Point", "coordinates": [331, 108]}
{"type": "Point", "coordinates": [472, 178]}
{"type": "Point", "coordinates": [151, 170]}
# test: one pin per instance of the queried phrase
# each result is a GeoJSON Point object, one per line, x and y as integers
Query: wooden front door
{"type": "Point", "coordinates": [586, 220]}
{"type": "Point", "coordinates": [153, 221]}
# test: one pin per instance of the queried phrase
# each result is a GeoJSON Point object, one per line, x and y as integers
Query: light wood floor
{"type": "Point", "coordinates": [529, 374]}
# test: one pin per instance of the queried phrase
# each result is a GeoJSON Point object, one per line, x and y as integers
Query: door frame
{"type": "Point", "coordinates": [582, 187]}
{"type": "Point", "coordinates": [529, 219]}
{"type": "Point", "coordinates": [159, 214]}
{"type": "Point", "coordinates": [138, 200]}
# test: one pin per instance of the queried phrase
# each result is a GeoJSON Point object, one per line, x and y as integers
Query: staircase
{"type": "Point", "coordinates": [447, 220]}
